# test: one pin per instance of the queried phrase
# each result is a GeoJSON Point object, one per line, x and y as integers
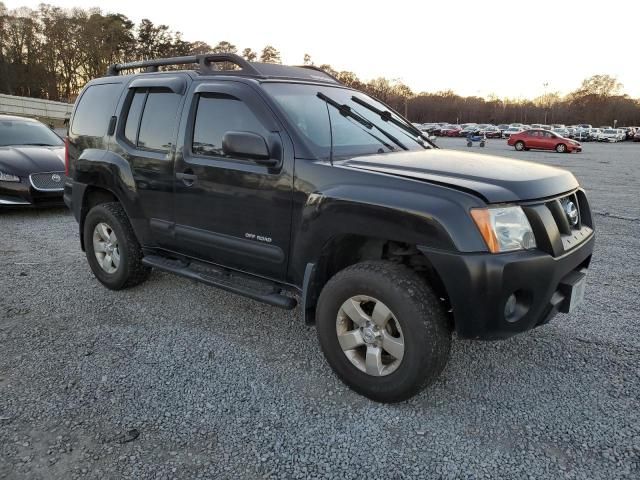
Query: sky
{"type": "Point", "coordinates": [507, 48]}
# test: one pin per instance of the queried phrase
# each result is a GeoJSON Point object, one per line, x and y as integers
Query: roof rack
{"type": "Point", "coordinates": [318, 69]}
{"type": "Point", "coordinates": [205, 61]}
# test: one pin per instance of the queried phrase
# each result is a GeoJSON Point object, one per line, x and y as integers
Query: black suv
{"type": "Point", "coordinates": [278, 183]}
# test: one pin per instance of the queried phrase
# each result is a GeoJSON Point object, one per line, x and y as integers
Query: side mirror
{"type": "Point", "coordinates": [247, 145]}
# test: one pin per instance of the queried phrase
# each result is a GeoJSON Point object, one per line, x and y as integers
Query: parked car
{"type": "Point", "coordinates": [31, 163]}
{"type": "Point", "coordinates": [611, 135]}
{"type": "Point", "coordinates": [243, 180]}
{"type": "Point", "coordinates": [583, 134]}
{"type": "Point", "coordinates": [491, 132]}
{"type": "Point", "coordinates": [469, 130]}
{"type": "Point", "coordinates": [595, 134]}
{"type": "Point", "coordinates": [563, 132]}
{"type": "Point", "coordinates": [450, 131]}
{"type": "Point", "coordinates": [636, 136]}
{"type": "Point", "coordinates": [511, 131]}
{"type": "Point", "coordinates": [543, 140]}
{"type": "Point", "coordinates": [503, 127]}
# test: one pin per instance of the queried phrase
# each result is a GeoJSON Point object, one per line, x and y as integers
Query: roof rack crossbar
{"type": "Point", "coordinates": [205, 61]}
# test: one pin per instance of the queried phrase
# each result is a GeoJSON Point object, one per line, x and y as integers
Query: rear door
{"type": "Point", "coordinates": [534, 139]}
{"type": "Point", "coordinates": [146, 139]}
{"type": "Point", "coordinates": [233, 211]}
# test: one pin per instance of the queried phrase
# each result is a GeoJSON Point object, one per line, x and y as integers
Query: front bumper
{"type": "Point", "coordinates": [478, 286]}
{"type": "Point", "coordinates": [22, 194]}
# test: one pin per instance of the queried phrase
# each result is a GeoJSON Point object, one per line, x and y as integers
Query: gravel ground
{"type": "Point", "coordinates": [173, 379]}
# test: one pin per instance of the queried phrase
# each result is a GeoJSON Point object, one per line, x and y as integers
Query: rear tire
{"type": "Point", "coordinates": [415, 318]}
{"type": "Point", "coordinates": [519, 145]}
{"type": "Point", "coordinates": [107, 231]}
{"type": "Point", "coordinates": [561, 148]}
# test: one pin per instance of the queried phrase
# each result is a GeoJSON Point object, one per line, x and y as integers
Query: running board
{"type": "Point", "coordinates": [222, 279]}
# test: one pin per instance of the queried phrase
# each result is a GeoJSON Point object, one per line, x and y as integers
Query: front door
{"type": "Point", "coordinates": [231, 211]}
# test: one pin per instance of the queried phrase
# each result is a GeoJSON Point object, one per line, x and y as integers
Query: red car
{"type": "Point", "coordinates": [449, 131]}
{"type": "Point", "coordinates": [543, 140]}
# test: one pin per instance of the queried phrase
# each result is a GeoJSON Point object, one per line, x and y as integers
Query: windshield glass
{"type": "Point", "coordinates": [19, 132]}
{"type": "Point", "coordinates": [323, 124]}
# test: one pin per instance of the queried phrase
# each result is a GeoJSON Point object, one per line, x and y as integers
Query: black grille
{"type": "Point", "coordinates": [47, 182]}
{"type": "Point", "coordinates": [575, 228]}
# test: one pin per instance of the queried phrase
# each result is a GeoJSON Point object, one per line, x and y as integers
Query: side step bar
{"type": "Point", "coordinates": [222, 279]}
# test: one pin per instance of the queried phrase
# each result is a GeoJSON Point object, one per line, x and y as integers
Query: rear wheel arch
{"type": "Point", "coordinates": [93, 196]}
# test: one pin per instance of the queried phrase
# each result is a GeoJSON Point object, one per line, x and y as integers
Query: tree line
{"type": "Point", "coordinates": [52, 52]}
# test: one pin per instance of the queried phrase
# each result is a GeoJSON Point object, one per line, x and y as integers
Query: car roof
{"type": "Point", "coordinates": [18, 118]}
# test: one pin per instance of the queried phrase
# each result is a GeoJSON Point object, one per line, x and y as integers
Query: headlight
{"type": "Point", "coordinates": [504, 229]}
{"type": "Point", "coordinates": [6, 177]}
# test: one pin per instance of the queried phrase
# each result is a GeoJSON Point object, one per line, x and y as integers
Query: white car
{"type": "Point", "coordinates": [596, 134]}
{"type": "Point", "coordinates": [511, 131]}
{"type": "Point", "coordinates": [611, 135]}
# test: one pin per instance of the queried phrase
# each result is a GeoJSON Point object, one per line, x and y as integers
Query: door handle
{"type": "Point", "coordinates": [188, 178]}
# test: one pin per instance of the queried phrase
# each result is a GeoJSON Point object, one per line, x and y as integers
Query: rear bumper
{"type": "Point", "coordinates": [478, 286]}
{"type": "Point", "coordinates": [22, 194]}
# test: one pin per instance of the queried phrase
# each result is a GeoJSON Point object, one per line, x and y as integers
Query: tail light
{"type": "Point", "coordinates": [66, 156]}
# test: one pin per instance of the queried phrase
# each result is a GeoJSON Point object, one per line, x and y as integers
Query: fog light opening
{"type": "Point", "coordinates": [510, 306]}
{"type": "Point", "coordinates": [516, 306]}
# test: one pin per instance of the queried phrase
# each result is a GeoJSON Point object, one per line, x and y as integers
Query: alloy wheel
{"type": "Point", "coordinates": [370, 335]}
{"type": "Point", "coordinates": [105, 247]}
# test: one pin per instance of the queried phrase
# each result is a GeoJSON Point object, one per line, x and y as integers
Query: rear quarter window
{"type": "Point", "coordinates": [95, 108]}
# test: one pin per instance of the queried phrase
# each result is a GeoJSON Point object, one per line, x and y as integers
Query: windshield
{"type": "Point", "coordinates": [19, 132]}
{"type": "Point", "coordinates": [354, 131]}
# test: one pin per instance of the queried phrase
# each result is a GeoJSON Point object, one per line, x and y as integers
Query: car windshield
{"type": "Point", "coordinates": [338, 124]}
{"type": "Point", "coordinates": [610, 131]}
{"type": "Point", "coordinates": [20, 132]}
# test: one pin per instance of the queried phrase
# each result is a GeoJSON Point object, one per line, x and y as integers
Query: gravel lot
{"type": "Point", "coordinates": [173, 379]}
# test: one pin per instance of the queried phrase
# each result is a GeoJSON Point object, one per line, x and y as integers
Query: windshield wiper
{"type": "Point", "coordinates": [40, 145]}
{"type": "Point", "coordinates": [388, 117]}
{"type": "Point", "coordinates": [346, 111]}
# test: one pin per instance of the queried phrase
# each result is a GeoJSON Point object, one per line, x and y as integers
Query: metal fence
{"type": "Point", "coordinates": [47, 111]}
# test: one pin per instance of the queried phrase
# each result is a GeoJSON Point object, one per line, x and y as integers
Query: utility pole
{"type": "Point", "coordinates": [545, 101]}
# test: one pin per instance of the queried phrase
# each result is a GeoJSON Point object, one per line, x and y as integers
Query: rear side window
{"type": "Point", "coordinates": [95, 109]}
{"type": "Point", "coordinates": [217, 115]}
{"type": "Point", "coordinates": [133, 117]}
{"type": "Point", "coordinates": [152, 118]}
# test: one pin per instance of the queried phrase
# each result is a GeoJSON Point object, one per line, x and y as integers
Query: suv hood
{"type": "Point", "coordinates": [23, 161]}
{"type": "Point", "coordinates": [496, 179]}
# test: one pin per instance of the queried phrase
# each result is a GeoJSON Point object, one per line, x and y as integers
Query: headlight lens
{"type": "Point", "coordinates": [504, 229]}
{"type": "Point", "coordinates": [7, 177]}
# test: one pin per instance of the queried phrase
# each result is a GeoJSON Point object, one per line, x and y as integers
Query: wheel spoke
{"type": "Point", "coordinates": [99, 246]}
{"type": "Point", "coordinates": [116, 257]}
{"type": "Point", "coordinates": [373, 362]}
{"type": "Point", "coordinates": [393, 346]}
{"type": "Point", "coordinates": [350, 340]}
{"type": "Point", "coordinates": [106, 262]}
{"type": "Point", "coordinates": [381, 314]}
{"type": "Point", "coordinates": [112, 238]}
{"type": "Point", "coordinates": [354, 311]}
{"type": "Point", "coordinates": [103, 232]}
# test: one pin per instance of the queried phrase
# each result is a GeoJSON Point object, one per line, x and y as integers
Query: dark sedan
{"type": "Point", "coordinates": [31, 163]}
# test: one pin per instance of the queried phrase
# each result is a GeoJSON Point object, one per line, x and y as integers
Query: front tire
{"type": "Point", "coordinates": [519, 146]}
{"type": "Point", "coordinates": [382, 330]}
{"type": "Point", "coordinates": [112, 250]}
{"type": "Point", "coordinates": [561, 148]}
